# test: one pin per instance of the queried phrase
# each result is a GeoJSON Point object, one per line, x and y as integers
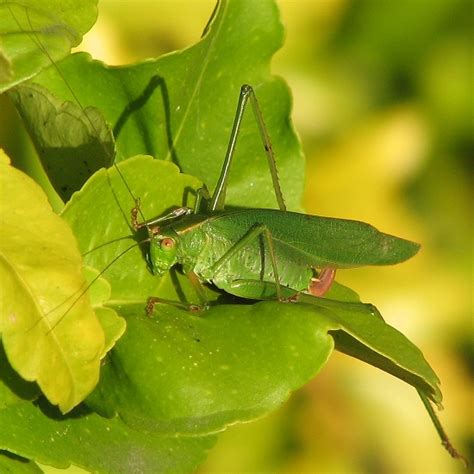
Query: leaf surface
{"type": "Point", "coordinates": [30, 27]}
{"type": "Point", "coordinates": [94, 443]}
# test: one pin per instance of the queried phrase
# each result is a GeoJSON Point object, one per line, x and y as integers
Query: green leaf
{"type": "Point", "coordinates": [185, 373]}
{"type": "Point", "coordinates": [181, 373]}
{"type": "Point", "coordinates": [86, 440]}
{"type": "Point", "coordinates": [363, 334]}
{"type": "Point", "coordinates": [41, 273]}
{"type": "Point", "coordinates": [12, 464]}
{"type": "Point", "coordinates": [180, 107]}
{"type": "Point", "coordinates": [77, 142]}
{"type": "Point", "coordinates": [33, 33]}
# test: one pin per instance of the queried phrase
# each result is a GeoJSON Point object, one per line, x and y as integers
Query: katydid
{"type": "Point", "coordinates": [263, 253]}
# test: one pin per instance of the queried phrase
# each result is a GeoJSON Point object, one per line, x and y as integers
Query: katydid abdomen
{"type": "Point", "coordinates": [237, 250]}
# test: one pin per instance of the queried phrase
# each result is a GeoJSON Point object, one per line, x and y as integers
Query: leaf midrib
{"type": "Point", "coordinates": [220, 14]}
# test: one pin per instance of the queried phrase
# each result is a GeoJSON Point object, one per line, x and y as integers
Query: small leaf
{"type": "Point", "coordinates": [41, 273]}
{"type": "Point", "coordinates": [26, 25]}
{"type": "Point", "coordinates": [76, 142]}
{"type": "Point", "coordinates": [363, 334]}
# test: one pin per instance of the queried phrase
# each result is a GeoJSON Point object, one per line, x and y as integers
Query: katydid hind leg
{"type": "Point", "coordinates": [253, 234]}
{"type": "Point", "coordinates": [202, 194]}
{"type": "Point", "coordinates": [218, 198]}
{"type": "Point", "coordinates": [261, 290]}
{"type": "Point", "coordinates": [445, 441]}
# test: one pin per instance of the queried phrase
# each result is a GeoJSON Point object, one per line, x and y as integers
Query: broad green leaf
{"type": "Point", "coordinates": [48, 329]}
{"type": "Point", "coordinates": [12, 464]}
{"type": "Point", "coordinates": [77, 142]}
{"type": "Point", "coordinates": [84, 439]}
{"type": "Point", "coordinates": [180, 107]}
{"type": "Point", "coordinates": [190, 373]}
{"type": "Point", "coordinates": [183, 373]}
{"type": "Point", "coordinates": [35, 32]}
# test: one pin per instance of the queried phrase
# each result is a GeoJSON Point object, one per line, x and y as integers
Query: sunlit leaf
{"type": "Point", "coordinates": [35, 32]}
{"type": "Point", "coordinates": [41, 274]}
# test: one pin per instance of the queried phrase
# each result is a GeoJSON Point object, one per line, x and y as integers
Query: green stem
{"type": "Point", "coordinates": [441, 433]}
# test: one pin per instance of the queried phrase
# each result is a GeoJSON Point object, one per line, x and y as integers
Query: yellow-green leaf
{"type": "Point", "coordinates": [49, 330]}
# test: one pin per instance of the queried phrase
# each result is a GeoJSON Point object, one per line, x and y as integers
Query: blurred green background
{"type": "Point", "coordinates": [382, 102]}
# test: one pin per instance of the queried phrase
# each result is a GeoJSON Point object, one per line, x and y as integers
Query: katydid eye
{"type": "Point", "coordinates": [167, 243]}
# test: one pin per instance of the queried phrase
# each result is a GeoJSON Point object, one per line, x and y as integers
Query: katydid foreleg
{"type": "Point", "coordinates": [154, 300]}
{"type": "Point", "coordinates": [199, 289]}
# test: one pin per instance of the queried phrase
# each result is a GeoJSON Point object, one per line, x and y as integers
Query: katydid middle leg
{"type": "Point", "coordinates": [254, 233]}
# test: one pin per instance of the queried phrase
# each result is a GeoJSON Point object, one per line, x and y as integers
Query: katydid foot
{"type": "Point", "coordinates": [191, 307]}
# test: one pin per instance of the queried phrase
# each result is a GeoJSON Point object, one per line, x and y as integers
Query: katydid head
{"type": "Point", "coordinates": [163, 251]}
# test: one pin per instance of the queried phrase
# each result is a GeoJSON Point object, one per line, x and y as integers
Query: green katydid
{"type": "Point", "coordinates": [262, 253]}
